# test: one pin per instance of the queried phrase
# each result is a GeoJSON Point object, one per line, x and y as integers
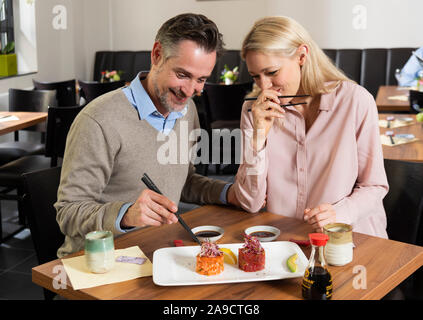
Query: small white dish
{"type": "Point", "coordinates": [208, 233]}
{"type": "Point", "coordinates": [263, 233]}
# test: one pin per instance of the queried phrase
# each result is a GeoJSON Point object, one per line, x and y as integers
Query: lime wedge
{"type": "Point", "coordinates": [292, 266]}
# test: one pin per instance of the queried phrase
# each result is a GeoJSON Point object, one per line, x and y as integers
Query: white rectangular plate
{"type": "Point", "coordinates": [176, 266]}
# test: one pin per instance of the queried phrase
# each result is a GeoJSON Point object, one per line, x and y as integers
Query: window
{"type": "Point", "coordinates": [6, 22]}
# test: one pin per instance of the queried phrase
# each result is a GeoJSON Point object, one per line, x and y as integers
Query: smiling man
{"type": "Point", "coordinates": [114, 141]}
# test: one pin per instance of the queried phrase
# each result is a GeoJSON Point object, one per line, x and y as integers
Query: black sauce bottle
{"type": "Point", "coordinates": [317, 281]}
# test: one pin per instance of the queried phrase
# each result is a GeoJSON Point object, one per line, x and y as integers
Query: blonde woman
{"type": "Point", "coordinates": [322, 161]}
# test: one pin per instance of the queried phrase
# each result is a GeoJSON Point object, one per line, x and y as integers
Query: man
{"type": "Point", "coordinates": [412, 70]}
{"type": "Point", "coordinates": [115, 140]}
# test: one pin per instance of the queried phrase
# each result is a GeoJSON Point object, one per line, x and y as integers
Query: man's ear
{"type": "Point", "coordinates": [302, 54]}
{"type": "Point", "coordinates": [156, 53]}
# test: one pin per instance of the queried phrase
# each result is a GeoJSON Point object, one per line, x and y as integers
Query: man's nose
{"type": "Point", "coordinates": [192, 88]}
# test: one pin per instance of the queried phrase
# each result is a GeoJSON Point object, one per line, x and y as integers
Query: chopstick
{"type": "Point", "coordinates": [150, 185]}
{"type": "Point", "coordinates": [287, 105]}
{"type": "Point", "coordinates": [281, 97]}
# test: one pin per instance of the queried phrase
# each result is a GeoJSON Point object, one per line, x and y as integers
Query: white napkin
{"type": "Point", "coordinates": [81, 278]}
{"type": "Point", "coordinates": [8, 118]}
{"type": "Point", "coordinates": [398, 139]}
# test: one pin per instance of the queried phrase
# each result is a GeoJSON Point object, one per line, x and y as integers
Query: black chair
{"type": "Point", "coordinates": [40, 193]}
{"type": "Point", "coordinates": [89, 90]}
{"type": "Point", "coordinates": [32, 101]}
{"type": "Point", "coordinates": [404, 210]}
{"type": "Point", "coordinates": [416, 101]}
{"type": "Point", "coordinates": [65, 91]}
{"type": "Point", "coordinates": [223, 105]}
{"type": "Point", "coordinates": [58, 124]}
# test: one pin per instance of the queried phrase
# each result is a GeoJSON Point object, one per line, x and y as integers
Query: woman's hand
{"type": "Point", "coordinates": [320, 216]}
{"type": "Point", "coordinates": [265, 109]}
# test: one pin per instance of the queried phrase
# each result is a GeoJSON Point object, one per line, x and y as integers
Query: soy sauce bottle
{"type": "Point", "coordinates": [317, 281]}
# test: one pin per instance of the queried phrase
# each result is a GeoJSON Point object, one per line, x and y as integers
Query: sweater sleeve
{"type": "Point", "coordinates": [86, 169]}
{"type": "Point", "coordinates": [200, 189]}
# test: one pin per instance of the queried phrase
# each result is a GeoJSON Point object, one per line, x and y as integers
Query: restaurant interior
{"type": "Point", "coordinates": [66, 53]}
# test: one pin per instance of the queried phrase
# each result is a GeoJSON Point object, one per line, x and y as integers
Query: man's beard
{"type": "Point", "coordinates": [165, 99]}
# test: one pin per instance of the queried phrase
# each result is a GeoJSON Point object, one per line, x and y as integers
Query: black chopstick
{"type": "Point", "coordinates": [287, 105]}
{"type": "Point", "coordinates": [281, 97]}
{"type": "Point", "coordinates": [150, 185]}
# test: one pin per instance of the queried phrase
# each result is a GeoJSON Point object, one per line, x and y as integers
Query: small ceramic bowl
{"type": "Point", "coordinates": [208, 233]}
{"type": "Point", "coordinates": [263, 233]}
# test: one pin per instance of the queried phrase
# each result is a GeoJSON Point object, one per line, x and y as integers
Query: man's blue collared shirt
{"type": "Point", "coordinates": [141, 101]}
{"type": "Point", "coordinates": [412, 69]}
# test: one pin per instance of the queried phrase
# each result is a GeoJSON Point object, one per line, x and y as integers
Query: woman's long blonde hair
{"type": "Point", "coordinates": [283, 35]}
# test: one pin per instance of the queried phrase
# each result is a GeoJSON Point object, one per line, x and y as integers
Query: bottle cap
{"type": "Point", "coordinates": [318, 239]}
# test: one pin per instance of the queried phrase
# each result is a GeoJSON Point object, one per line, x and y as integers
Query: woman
{"type": "Point", "coordinates": [320, 161]}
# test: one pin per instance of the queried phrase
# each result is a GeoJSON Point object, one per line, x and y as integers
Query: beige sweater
{"type": "Point", "coordinates": [108, 149]}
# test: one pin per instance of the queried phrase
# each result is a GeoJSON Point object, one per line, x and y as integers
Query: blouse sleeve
{"type": "Point", "coordinates": [251, 180]}
{"type": "Point", "coordinates": [371, 185]}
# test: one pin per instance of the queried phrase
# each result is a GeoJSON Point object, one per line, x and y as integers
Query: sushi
{"type": "Point", "coordinates": [209, 260]}
{"type": "Point", "coordinates": [252, 256]}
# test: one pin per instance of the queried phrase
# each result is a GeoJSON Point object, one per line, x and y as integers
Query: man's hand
{"type": "Point", "coordinates": [151, 209]}
{"type": "Point", "coordinates": [320, 216]}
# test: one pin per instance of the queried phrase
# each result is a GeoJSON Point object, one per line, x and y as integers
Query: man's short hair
{"type": "Point", "coordinates": [190, 26]}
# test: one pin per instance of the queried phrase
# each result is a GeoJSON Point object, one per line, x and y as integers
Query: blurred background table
{"type": "Point", "coordinates": [26, 119]}
{"type": "Point", "coordinates": [386, 102]}
{"type": "Point", "coordinates": [412, 151]}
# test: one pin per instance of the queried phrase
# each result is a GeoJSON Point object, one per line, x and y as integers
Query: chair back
{"type": "Point", "coordinates": [92, 89]}
{"type": "Point", "coordinates": [416, 101]}
{"type": "Point", "coordinates": [59, 121]}
{"type": "Point", "coordinates": [39, 196]}
{"type": "Point", "coordinates": [65, 91]}
{"type": "Point", "coordinates": [32, 101]}
{"type": "Point", "coordinates": [223, 103]}
{"type": "Point", "coordinates": [404, 210]}
{"type": "Point", "coordinates": [404, 201]}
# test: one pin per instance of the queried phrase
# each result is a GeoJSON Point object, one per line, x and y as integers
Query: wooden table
{"type": "Point", "coordinates": [26, 119]}
{"type": "Point", "coordinates": [385, 262]}
{"type": "Point", "coordinates": [388, 105]}
{"type": "Point", "coordinates": [407, 152]}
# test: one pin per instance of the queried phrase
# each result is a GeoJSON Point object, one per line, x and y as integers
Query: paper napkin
{"type": "Point", "coordinates": [81, 278]}
{"type": "Point", "coordinates": [8, 118]}
{"type": "Point", "coordinates": [399, 97]}
{"type": "Point", "coordinates": [397, 123]}
{"type": "Point", "coordinates": [401, 139]}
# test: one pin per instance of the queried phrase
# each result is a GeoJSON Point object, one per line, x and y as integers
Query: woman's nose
{"type": "Point", "coordinates": [264, 83]}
